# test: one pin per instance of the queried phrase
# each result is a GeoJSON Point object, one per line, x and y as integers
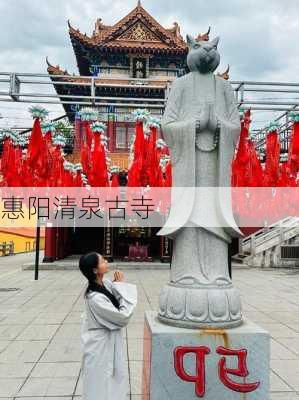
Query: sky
{"type": "Point", "coordinates": [258, 38]}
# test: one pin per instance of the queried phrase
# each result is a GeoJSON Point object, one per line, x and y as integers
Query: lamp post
{"type": "Point", "coordinates": [37, 240]}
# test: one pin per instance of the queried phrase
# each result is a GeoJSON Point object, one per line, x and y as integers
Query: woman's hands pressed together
{"type": "Point", "coordinates": [118, 276]}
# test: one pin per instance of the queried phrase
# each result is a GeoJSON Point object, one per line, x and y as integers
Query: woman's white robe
{"type": "Point", "coordinates": [104, 366]}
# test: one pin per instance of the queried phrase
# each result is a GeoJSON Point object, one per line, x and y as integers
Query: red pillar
{"type": "Point", "coordinates": [78, 135]}
{"type": "Point", "coordinates": [110, 132]}
{"type": "Point", "coordinates": [50, 244]}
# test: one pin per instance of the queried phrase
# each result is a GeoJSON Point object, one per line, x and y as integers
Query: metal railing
{"type": "Point", "coordinates": [248, 93]}
{"type": "Point", "coordinates": [274, 233]}
{"type": "Point", "coordinates": [16, 81]}
{"type": "Point", "coordinates": [272, 104]}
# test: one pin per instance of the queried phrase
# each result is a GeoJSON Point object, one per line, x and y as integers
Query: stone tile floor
{"type": "Point", "coordinates": [40, 356]}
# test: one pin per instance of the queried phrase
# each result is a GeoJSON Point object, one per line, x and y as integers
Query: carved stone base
{"type": "Point", "coordinates": [200, 306]}
{"type": "Point", "coordinates": [162, 377]}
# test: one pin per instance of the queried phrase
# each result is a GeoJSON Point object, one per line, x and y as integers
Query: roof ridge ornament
{"type": "Point", "coordinates": [139, 3]}
{"type": "Point", "coordinates": [204, 37]}
{"type": "Point", "coordinates": [225, 74]}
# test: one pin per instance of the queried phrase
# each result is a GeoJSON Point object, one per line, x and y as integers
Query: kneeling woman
{"type": "Point", "coordinates": [109, 307]}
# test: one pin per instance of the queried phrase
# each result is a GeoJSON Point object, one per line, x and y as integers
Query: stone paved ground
{"type": "Point", "coordinates": [39, 328]}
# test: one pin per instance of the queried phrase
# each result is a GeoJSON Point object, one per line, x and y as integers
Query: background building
{"type": "Point", "coordinates": [132, 64]}
{"type": "Point", "coordinates": [125, 66]}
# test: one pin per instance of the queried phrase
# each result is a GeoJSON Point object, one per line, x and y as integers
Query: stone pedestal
{"type": "Point", "coordinates": [214, 364]}
{"type": "Point", "coordinates": [197, 306]}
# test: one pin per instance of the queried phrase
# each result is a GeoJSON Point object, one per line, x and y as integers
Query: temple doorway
{"type": "Point", "coordinates": [136, 244]}
{"type": "Point", "coordinates": [118, 243]}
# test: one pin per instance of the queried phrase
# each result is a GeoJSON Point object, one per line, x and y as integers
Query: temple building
{"type": "Point", "coordinates": [123, 67]}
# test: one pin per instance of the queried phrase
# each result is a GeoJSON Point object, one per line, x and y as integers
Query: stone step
{"type": "Point", "coordinates": [239, 258]}
{"type": "Point", "coordinates": [237, 265]}
{"type": "Point", "coordinates": [61, 265]}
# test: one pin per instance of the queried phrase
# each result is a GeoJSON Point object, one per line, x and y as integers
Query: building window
{"type": "Point", "coordinates": [123, 135]}
{"type": "Point", "coordinates": [130, 134]}
{"type": "Point", "coordinates": [121, 132]}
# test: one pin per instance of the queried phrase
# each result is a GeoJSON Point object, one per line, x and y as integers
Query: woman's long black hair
{"type": "Point", "coordinates": [87, 263]}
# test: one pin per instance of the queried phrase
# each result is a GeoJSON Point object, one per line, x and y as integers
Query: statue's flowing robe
{"type": "Point", "coordinates": [179, 129]}
{"type": "Point", "coordinates": [104, 366]}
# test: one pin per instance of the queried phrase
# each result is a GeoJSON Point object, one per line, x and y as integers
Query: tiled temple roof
{"type": "Point", "coordinates": [136, 31]}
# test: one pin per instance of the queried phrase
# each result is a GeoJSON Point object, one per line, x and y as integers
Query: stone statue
{"type": "Point", "coordinates": [201, 125]}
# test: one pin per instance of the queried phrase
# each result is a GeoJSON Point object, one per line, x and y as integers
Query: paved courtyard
{"type": "Point", "coordinates": [40, 355]}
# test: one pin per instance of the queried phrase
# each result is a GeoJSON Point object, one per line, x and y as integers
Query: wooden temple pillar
{"type": "Point", "coordinates": [78, 140]}
{"type": "Point", "coordinates": [108, 243]}
{"type": "Point", "coordinates": [165, 249]}
{"type": "Point", "coordinates": [62, 242]}
{"type": "Point", "coordinates": [50, 244]}
{"type": "Point", "coordinates": [110, 131]}
{"type": "Point", "coordinates": [57, 243]}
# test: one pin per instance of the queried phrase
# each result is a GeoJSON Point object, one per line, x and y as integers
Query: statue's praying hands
{"type": "Point", "coordinates": [207, 119]}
